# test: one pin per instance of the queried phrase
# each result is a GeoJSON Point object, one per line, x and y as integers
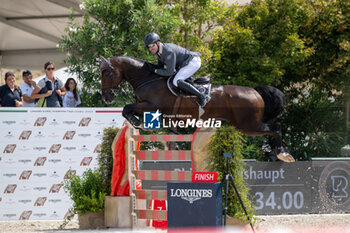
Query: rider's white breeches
{"type": "Point", "coordinates": [187, 71]}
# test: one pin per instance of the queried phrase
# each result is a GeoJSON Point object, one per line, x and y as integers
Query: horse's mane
{"type": "Point", "coordinates": [136, 62]}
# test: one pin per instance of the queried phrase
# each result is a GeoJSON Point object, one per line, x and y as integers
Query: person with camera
{"type": "Point", "coordinates": [50, 89]}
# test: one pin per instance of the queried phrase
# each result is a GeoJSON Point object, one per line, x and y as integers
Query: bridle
{"type": "Point", "coordinates": [110, 76]}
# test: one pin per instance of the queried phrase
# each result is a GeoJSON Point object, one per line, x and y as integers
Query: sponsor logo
{"type": "Point", "coordinates": [10, 174]}
{"type": "Point", "coordinates": [25, 135]}
{"type": "Point", "coordinates": [24, 161]}
{"type": "Point", "coordinates": [55, 148]}
{"type": "Point", "coordinates": [113, 122]}
{"type": "Point", "coordinates": [53, 135]}
{"type": "Point", "coordinates": [54, 122]}
{"type": "Point", "coordinates": [39, 135]}
{"type": "Point", "coordinates": [10, 188]}
{"type": "Point", "coordinates": [40, 201]}
{"type": "Point", "coordinates": [55, 160]}
{"type": "Point", "coordinates": [84, 148]}
{"type": "Point", "coordinates": [9, 122]}
{"type": "Point", "coordinates": [151, 120]}
{"type": "Point", "coordinates": [9, 135]}
{"type": "Point", "coordinates": [99, 122]}
{"type": "Point", "coordinates": [24, 122]}
{"type": "Point", "coordinates": [40, 161]}
{"type": "Point", "coordinates": [69, 135]}
{"type": "Point", "coordinates": [97, 148]}
{"type": "Point", "coordinates": [25, 175]}
{"type": "Point", "coordinates": [191, 195]}
{"type": "Point", "coordinates": [9, 148]}
{"type": "Point", "coordinates": [40, 121]}
{"type": "Point", "coordinates": [9, 161]}
{"type": "Point", "coordinates": [39, 188]}
{"type": "Point", "coordinates": [54, 174]}
{"type": "Point", "coordinates": [9, 215]}
{"type": "Point", "coordinates": [85, 121]}
{"type": "Point", "coordinates": [55, 200]}
{"type": "Point", "coordinates": [84, 135]}
{"type": "Point", "coordinates": [55, 188]}
{"type": "Point", "coordinates": [24, 189]}
{"type": "Point", "coordinates": [69, 148]}
{"type": "Point", "coordinates": [39, 215]}
{"type": "Point", "coordinates": [24, 201]}
{"type": "Point", "coordinates": [98, 135]}
{"type": "Point", "coordinates": [54, 214]}
{"type": "Point", "coordinates": [10, 201]}
{"type": "Point", "coordinates": [334, 186]}
{"type": "Point", "coordinates": [39, 174]}
{"type": "Point", "coordinates": [69, 122]}
{"type": "Point", "coordinates": [70, 161]}
{"type": "Point", "coordinates": [23, 148]}
{"type": "Point", "coordinates": [39, 148]}
{"type": "Point", "coordinates": [69, 174]}
{"type": "Point", "coordinates": [25, 215]}
{"type": "Point", "coordinates": [86, 161]}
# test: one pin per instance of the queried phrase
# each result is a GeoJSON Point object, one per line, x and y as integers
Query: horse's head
{"type": "Point", "coordinates": [110, 79]}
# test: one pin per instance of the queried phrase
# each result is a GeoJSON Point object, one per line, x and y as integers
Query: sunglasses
{"type": "Point", "coordinates": [151, 45]}
{"type": "Point", "coordinates": [50, 69]}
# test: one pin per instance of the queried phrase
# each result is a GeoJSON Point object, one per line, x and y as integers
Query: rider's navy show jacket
{"type": "Point", "coordinates": [173, 57]}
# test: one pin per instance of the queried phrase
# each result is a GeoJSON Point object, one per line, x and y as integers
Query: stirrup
{"type": "Point", "coordinates": [204, 100]}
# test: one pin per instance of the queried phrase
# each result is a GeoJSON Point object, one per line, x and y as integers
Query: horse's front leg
{"type": "Point", "coordinates": [130, 112]}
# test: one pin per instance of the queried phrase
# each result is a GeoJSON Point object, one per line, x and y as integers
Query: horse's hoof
{"type": "Point", "coordinates": [285, 157]}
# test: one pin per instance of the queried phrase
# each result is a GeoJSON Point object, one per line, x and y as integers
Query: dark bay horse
{"type": "Point", "coordinates": [250, 110]}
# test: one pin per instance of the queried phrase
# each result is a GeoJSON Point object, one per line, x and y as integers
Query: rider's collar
{"type": "Point", "coordinates": [160, 48]}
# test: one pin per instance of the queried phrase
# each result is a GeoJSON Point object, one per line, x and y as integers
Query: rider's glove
{"type": "Point", "coordinates": [152, 68]}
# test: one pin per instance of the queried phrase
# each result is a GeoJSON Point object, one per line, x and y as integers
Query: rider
{"type": "Point", "coordinates": [175, 58]}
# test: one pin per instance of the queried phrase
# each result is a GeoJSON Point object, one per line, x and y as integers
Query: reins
{"type": "Point", "coordinates": [145, 83]}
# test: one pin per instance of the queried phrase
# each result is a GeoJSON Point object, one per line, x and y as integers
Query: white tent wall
{"type": "Point", "coordinates": [30, 31]}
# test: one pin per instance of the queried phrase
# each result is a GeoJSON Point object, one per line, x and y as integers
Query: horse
{"type": "Point", "coordinates": [253, 111]}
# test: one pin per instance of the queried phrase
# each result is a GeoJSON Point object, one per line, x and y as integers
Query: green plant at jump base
{"type": "Point", "coordinates": [86, 191]}
{"type": "Point", "coordinates": [226, 139]}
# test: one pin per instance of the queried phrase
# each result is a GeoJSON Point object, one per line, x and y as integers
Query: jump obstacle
{"type": "Point", "coordinates": [130, 139]}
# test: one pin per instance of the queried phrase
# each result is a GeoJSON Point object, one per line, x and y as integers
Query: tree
{"type": "Point", "coordinates": [301, 47]}
{"type": "Point", "coordinates": [199, 20]}
{"type": "Point", "coordinates": [112, 28]}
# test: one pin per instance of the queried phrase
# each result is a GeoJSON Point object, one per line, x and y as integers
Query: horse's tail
{"type": "Point", "coordinates": [274, 100]}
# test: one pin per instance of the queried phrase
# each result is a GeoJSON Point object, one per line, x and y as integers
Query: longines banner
{"type": "Point", "coordinates": [38, 146]}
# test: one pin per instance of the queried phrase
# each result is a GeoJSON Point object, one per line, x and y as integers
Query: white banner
{"type": "Point", "coordinates": [38, 146]}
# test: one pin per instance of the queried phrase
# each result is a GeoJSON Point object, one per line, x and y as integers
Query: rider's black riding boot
{"type": "Point", "coordinates": [204, 99]}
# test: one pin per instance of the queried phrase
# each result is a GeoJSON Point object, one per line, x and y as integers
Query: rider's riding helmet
{"type": "Point", "coordinates": [151, 38]}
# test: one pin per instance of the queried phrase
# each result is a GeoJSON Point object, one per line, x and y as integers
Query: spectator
{"type": "Point", "coordinates": [10, 94]}
{"type": "Point", "coordinates": [71, 99]}
{"type": "Point", "coordinates": [49, 88]}
{"type": "Point", "coordinates": [27, 88]}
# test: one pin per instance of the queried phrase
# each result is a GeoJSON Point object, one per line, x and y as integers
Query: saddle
{"type": "Point", "coordinates": [202, 84]}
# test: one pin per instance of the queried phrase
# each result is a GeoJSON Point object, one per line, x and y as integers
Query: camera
{"type": "Point", "coordinates": [48, 85]}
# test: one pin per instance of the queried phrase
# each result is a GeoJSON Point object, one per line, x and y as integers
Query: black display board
{"type": "Point", "coordinates": [194, 204]}
{"type": "Point", "coordinates": [278, 187]}
{"type": "Point", "coordinates": [317, 186]}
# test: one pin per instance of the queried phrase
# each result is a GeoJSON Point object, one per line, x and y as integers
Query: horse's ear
{"type": "Point", "coordinates": [105, 61]}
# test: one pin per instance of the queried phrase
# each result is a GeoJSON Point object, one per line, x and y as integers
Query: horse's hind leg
{"type": "Point", "coordinates": [275, 131]}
